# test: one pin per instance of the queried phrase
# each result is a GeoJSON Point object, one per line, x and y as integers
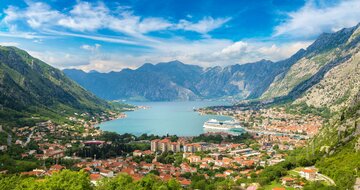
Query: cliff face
{"type": "Point", "coordinates": [327, 75]}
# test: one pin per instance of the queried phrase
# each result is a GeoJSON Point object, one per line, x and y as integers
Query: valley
{"type": "Point", "coordinates": [225, 118]}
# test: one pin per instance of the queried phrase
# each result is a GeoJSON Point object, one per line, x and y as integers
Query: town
{"type": "Point", "coordinates": [266, 142]}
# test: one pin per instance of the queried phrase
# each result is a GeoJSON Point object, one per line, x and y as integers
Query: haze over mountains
{"type": "Point", "coordinates": [264, 79]}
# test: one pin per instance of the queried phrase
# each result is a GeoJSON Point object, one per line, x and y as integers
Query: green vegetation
{"type": "Point", "coordinates": [217, 139]}
{"type": "Point", "coordinates": [63, 180]}
{"type": "Point", "coordinates": [303, 109]}
{"type": "Point", "coordinates": [17, 165]}
{"type": "Point", "coordinates": [125, 182]}
{"type": "Point", "coordinates": [67, 179]}
{"type": "Point", "coordinates": [343, 166]}
{"type": "Point", "coordinates": [171, 158]}
{"type": "Point", "coordinates": [33, 91]}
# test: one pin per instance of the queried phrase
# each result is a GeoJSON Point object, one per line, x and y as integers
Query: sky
{"type": "Point", "coordinates": [110, 35]}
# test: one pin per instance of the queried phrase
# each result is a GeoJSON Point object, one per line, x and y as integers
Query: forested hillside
{"type": "Point", "coordinates": [30, 89]}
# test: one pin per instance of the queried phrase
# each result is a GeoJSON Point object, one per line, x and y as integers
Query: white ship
{"type": "Point", "coordinates": [222, 125]}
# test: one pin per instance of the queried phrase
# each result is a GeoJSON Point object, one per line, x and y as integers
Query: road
{"type": "Point", "coordinates": [9, 138]}
{"type": "Point", "coordinates": [326, 178]}
{"type": "Point", "coordinates": [28, 138]}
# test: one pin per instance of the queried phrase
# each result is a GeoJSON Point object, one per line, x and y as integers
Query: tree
{"type": "Point", "coordinates": [148, 182]}
{"type": "Point", "coordinates": [120, 182]}
{"type": "Point", "coordinates": [67, 179]}
{"type": "Point", "coordinates": [173, 184]}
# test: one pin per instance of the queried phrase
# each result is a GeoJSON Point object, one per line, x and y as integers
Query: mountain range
{"type": "Point", "coordinates": [178, 81]}
{"type": "Point", "coordinates": [281, 80]}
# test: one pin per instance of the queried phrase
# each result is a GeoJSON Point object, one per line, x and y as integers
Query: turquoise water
{"type": "Point", "coordinates": [173, 118]}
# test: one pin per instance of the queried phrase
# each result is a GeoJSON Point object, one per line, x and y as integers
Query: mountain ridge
{"type": "Point", "coordinates": [234, 80]}
{"type": "Point", "coordinates": [30, 87]}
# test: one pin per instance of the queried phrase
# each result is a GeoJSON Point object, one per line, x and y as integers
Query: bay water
{"type": "Point", "coordinates": [161, 118]}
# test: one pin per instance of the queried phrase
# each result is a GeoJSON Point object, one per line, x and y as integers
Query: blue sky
{"type": "Point", "coordinates": [112, 35]}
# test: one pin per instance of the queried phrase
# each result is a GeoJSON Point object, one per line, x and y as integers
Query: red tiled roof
{"type": "Point", "coordinates": [288, 179]}
{"type": "Point", "coordinates": [309, 171]}
{"type": "Point", "coordinates": [185, 182]}
{"type": "Point", "coordinates": [278, 188]}
{"type": "Point", "coordinates": [56, 167]}
{"type": "Point", "coordinates": [95, 177]}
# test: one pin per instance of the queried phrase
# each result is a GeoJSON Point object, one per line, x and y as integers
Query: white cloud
{"type": "Point", "coordinates": [92, 48]}
{"type": "Point", "coordinates": [206, 52]}
{"type": "Point", "coordinates": [36, 15]}
{"type": "Point", "coordinates": [111, 39]}
{"type": "Point", "coordinates": [312, 20]}
{"type": "Point", "coordinates": [203, 26]}
{"type": "Point", "coordinates": [153, 24]}
{"type": "Point", "coordinates": [25, 35]}
{"type": "Point", "coordinates": [245, 52]}
{"type": "Point", "coordinates": [235, 48]}
{"type": "Point", "coordinates": [86, 17]}
{"type": "Point", "coordinates": [90, 17]}
{"type": "Point", "coordinates": [9, 44]}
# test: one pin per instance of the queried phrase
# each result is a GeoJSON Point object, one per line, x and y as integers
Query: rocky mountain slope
{"type": "Point", "coordinates": [336, 149]}
{"type": "Point", "coordinates": [30, 87]}
{"type": "Point", "coordinates": [327, 74]}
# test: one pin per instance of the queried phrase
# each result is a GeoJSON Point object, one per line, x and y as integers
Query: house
{"type": "Point", "coordinates": [309, 174]}
{"type": "Point", "coordinates": [185, 182]}
{"type": "Point", "coordinates": [57, 167]}
{"type": "Point", "coordinates": [287, 181]}
{"type": "Point", "coordinates": [106, 173]}
{"type": "Point", "coordinates": [137, 153]}
{"type": "Point", "coordinates": [165, 177]}
{"type": "Point", "coordinates": [94, 178]}
{"type": "Point", "coordinates": [204, 166]}
{"type": "Point", "coordinates": [248, 163]}
{"type": "Point", "coordinates": [194, 159]}
{"type": "Point", "coordinates": [35, 172]}
{"type": "Point", "coordinates": [54, 154]}
{"type": "Point", "coordinates": [186, 168]}
{"type": "Point", "coordinates": [148, 166]}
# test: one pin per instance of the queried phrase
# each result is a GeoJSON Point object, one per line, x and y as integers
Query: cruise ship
{"type": "Point", "coordinates": [222, 125]}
